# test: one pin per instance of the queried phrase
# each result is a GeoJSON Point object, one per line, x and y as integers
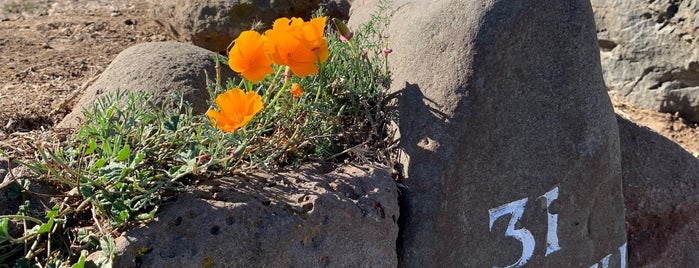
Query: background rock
{"type": "Point", "coordinates": [161, 68]}
{"type": "Point", "coordinates": [344, 218]}
{"type": "Point", "coordinates": [214, 24]}
{"type": "Point", "coordinates": [496, 102]}
{"type": "Point", "coordinates": [650, 52]}
{"type": "Point", "coordinates": [661, 191]}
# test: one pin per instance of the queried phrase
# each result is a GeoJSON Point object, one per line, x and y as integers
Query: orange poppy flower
{"type": "Point", "coordinates": [247, 57]}
{"type": "Point", "coordinates": [297, 44]}
{"type": "Point", "coordinates": [237, 109]}
{"type": "Point", "coordinates": [296, 90]}
{"type": "Point", "coordinates": [311, 35]}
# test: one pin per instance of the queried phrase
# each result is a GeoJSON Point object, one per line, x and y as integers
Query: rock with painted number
{"type": "Point", "coordinates": [661, 191]}
{"type": "Point", "coordinates": [306, 218]}
{"type": "Point", "coordinates": [507, 137]}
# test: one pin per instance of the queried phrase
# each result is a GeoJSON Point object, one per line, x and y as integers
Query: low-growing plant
{"type": "Point", "coordinates": [304, 96]}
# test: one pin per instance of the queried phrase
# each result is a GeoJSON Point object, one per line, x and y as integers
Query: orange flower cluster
{"type": "Point", "coordinates": [295, 43]}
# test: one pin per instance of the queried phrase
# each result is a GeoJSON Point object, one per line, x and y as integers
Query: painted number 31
{"type": "Point", "coordinates": [516, 209]}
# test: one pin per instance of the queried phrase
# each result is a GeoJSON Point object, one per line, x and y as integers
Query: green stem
{"type": "Point", "coordinates": [279, 93]}
{"type": "Point", "coordinates": [274, 83]}
{"type": "Point", "coordinates": [218, 73]}
{"type": "Point", "coordinates": [353, 48]}
{"type": "Point", "coordinates": [248, 85]}
{"type": "Point", "coordinates": [21, 217]}
{"type": "Point", "coordinates": [320, 74]}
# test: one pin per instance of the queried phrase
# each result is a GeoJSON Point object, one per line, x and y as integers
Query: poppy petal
{"type": "Point", "coordinates": [248, 57]}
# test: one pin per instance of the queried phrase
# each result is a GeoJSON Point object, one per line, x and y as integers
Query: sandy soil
{"type": "Point", "coordinates": [50, 51]}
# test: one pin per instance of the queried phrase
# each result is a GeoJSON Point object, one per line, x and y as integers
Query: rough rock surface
{"type": "Point", "coordinates": [661, 191]}
{"type": "Point", "coordinates": [650, 52]}
{"type": "Point", "coordinates": [214, 24]}
{"type": "Point", "coordinates": [160, 68]}
{"type": "Point", "coordinates": [502, 107]}
{"type": "Point", "coordinates": [344, 218]}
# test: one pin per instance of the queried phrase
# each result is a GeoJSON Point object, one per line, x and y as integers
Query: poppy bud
{"type": "Point", "coordinates": [387, 51]}
{"type": "Point", "coordinates": [345, 33]}
{"type": "Point", "coordinates": [296, 90]}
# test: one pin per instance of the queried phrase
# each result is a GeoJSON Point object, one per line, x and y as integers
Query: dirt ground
{"type": "Point", "coordinates": [50, 51]}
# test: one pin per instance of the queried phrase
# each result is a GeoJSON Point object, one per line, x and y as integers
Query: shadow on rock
{"type": "Point", "coordinates": [661, 190]}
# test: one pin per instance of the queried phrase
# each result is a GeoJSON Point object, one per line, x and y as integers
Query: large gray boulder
{"type": "Point", "coordinates": [661, 190]}
{"type": "Point", "coordinates": [214, 24]}
{"type": "Point", "coordinates": [160, 68]}
{"type": "Point", "coordinates": [508, 140]}
{"type": "Point", "coordinates": [306, 218]}
{"type": "Point", "coordinates": [650, 52]}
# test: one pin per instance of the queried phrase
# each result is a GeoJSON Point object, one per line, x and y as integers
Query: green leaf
{"type": "Point", "coordinates": [87, 190]}
{"type": "Point", "coordinates": [137, 160]}
{"type": "Point", "coordinates": [53, 212]}
{"type": "Point", "coordinates": [23, 208]}
{"type": "Point", "coordinates": [147, 216]}
{"type": "Point", "coordinates": [171, 125]}
{"type": "Point", "coordinates": [83, 235]}
{"type": "Point", "coordinates": [124, 153]}
{"type": "Point", "coordinates": [23, 263]}
{"type": "Point", "coordinates": [108, 247]}
{"type": "Point", "coordinates": [46, 227]}
{"type": "Point", "coordinates": [100, 163]}
{"type": "Point", "coordinates": [91, 146]}
{"type": "Point", "coordinates": [123, 215]}
{"type": "Point", "coordinates": [4, 232]}
{"type": "Point", "coordinates": [14, 192]}
{"type": "Point", "coordinates": [81, 260]}
{"type": "Point", "coordinates": [125, 171]}
{"type": "Point", "coordinates": [112, 172]}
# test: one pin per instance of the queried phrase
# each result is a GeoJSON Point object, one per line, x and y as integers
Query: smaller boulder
{"type": "Point", "coordinates": [661, 192]}
{"type": "Point", "coordinates": [161, 68]}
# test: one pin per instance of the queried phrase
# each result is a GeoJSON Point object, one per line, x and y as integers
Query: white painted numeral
{"type": "Point", "coordinates": [622, 252]}
{"type": "Point", "coordinates": [552, 231]}
{"type": "Point", "coordinates": [605, 262]}
{"type": "Point", "coordinates": [606, 259]}
{"type": "Point", "coordinates": [516, 209]}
